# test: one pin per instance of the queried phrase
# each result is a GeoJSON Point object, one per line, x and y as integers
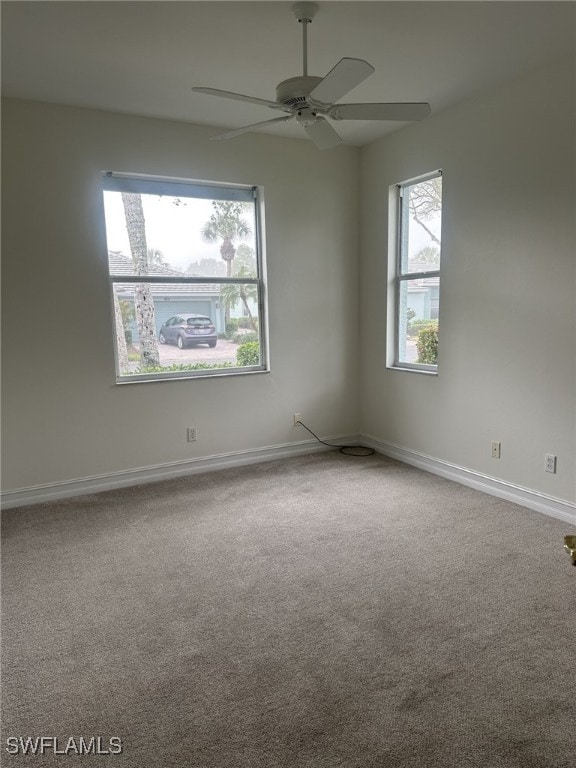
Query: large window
{"type": "Point", "coordinates": [186, 277]}
{"type": "Point", "coordinates": [416, 223]}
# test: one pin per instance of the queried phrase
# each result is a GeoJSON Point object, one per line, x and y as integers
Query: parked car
{"type": "Point", "coordinates": [188, 330]}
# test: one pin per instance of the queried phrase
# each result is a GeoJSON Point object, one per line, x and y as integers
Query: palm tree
{"type": "Point", "coordinates": [232, 293]}
{"type": "Point", "coordinates": [226, 224]}
{"type": "Point", "coordinates": [245, 259]}
{"type": "Point", "coordinates": [143, 302]}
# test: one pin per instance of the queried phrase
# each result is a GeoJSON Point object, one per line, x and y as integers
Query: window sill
{"type": "Point", "coordinates": [151, 379]}
{"type": "Point", "coordinates": [413, 369]}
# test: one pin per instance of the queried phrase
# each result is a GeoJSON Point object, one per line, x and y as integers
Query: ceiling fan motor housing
{"type": "Point", "coordinates": [294, 91]}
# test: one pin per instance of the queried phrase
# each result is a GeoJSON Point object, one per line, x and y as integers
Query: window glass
{"type": "Point", "coordinates": [183, 236]}
{"type": "Point", "coordinates": [184, 261]}
{"type": "Point", "coordinates": [417, 273]}
{"type": "Point", "coordinates": [199, 322]}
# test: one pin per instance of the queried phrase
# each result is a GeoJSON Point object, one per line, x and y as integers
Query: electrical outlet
{"type": "Point", "coordinates": [191, 435]}
{"type": "Point", "coordinates": [496, 448]}
{"type": "Point", "coordinates": [550, 463]}
{"type": "Point", "coordinates": [297, 418]}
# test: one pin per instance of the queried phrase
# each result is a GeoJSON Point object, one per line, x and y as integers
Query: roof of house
{"type": "Point", "coordinates": [420, 283]}
{"type": "Point", "coordinates": [120, 265]}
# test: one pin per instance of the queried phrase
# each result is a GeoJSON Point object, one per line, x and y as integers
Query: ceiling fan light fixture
{"type": "Point", "coordinates": [306, 116]}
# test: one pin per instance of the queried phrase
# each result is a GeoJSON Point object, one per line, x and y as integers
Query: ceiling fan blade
{"type": "Point", "coordinates": [322, 134]}
{"type": "Point", "coordinates": [347, 74]}
{"type": "Point", "coordinates": [241, 97]}
{"type": "Point", "coordinates": [238, 131]}
{"type": "Point", "coordinates": [406, 111]}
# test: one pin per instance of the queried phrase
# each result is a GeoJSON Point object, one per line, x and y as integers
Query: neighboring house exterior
{"type": "Point", "coordinates": [423, 298]}
{"type": "Point", "coordinates": [423, 295]}
{"type": "Point", "coordinates": [170, 298]}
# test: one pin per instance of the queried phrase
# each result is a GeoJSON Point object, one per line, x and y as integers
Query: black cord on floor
{"type": "Point", "coordinates": [348, 450]}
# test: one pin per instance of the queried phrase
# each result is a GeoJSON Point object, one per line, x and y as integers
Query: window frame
{"type": "Point", "coordinates": [161, 185]}
{"type": "Point", "coordinates": [397, 275]}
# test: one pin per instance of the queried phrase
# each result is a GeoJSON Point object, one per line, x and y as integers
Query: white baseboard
{"type": "Point", "coordinates": [539, 502]}
{"type": "Point", "coordinates": [548, 505]}
{"type": "Point", "coordinates": [53, 491]}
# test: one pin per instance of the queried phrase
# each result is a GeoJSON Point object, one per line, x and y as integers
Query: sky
{"type": "Point", "coordinates": [171, 228]}
{"type": "Point", "coordinates": [175, 229]}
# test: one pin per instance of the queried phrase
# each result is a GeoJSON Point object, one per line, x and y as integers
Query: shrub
{"type": "Point", "coordinates": [231, 326]}
{"type": "Point", "coordinates": [244, 338]}
{"type": "Point", "coordinates": [177, 367]}
{"type": "Point", "coordinates": [248, 354]}
{"type": "Point", "coordinates": [415, 326]}
{"type": "Point", "coordinates": [128, 312]}
{"type": "Point", "coordinates": [244, 322]}
{"type": "Point", "coordinates": [427, 345]}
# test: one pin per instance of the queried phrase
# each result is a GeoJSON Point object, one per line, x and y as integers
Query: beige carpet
{"type": "Point", "coordinates": [319, 612]}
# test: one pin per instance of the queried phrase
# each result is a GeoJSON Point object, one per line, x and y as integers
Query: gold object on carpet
{"type": "Point", "coordinates": [570, 547]}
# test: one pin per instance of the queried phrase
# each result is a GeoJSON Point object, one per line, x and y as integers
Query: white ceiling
{"type": "Point", "coordinates": [143, 57]}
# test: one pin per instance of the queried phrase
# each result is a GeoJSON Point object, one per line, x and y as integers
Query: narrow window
{"type": "Point", "coordinates": [186, 276]}
{"type": "Point", "coordinates": [415, 273]}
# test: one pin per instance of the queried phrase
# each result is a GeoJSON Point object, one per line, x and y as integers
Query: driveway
{"type": "Point", "coordinates": [223, 352]}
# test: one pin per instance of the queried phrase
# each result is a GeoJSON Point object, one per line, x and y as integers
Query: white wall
{"type": "Point", "coordinates": [507, 323]}
{"type": "Point", "coordinates": [64, 417]}
{"type": "Point", "coordinates": [507, 301]}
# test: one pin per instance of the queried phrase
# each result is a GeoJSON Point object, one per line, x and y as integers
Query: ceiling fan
{"type": "Point", "coordinates": [312, 99]}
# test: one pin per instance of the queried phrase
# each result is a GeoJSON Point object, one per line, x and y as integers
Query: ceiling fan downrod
{"type": "Point", "coordinates": [305, 12]}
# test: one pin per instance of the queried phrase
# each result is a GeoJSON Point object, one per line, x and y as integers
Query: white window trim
{"type": "Point", "coordinates": [396, 276]}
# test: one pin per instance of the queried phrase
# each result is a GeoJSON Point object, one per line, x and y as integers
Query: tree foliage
{"type": "Point", "coordinates": [206, 268]}
{"type": "Point", "coordinates": [156, 257]}
{"type": "Point", "coordinates": [227, 223]}
{"type": "Point", "coordinates": [245, 259]}
{"type": "Point", "coordinates": [128, 312]}
{"type": "Point", "coordinates": [232, 293]}
{"type": "Point", "coordinates": [429, 256]}
{"type": "Point", "coordinates": [425, 201]}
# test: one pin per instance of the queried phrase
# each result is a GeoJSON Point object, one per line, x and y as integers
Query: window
{"type": "Point", "coordinates": [186, 277]}
{"type": "Point", "coordinates": [414, 272]}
